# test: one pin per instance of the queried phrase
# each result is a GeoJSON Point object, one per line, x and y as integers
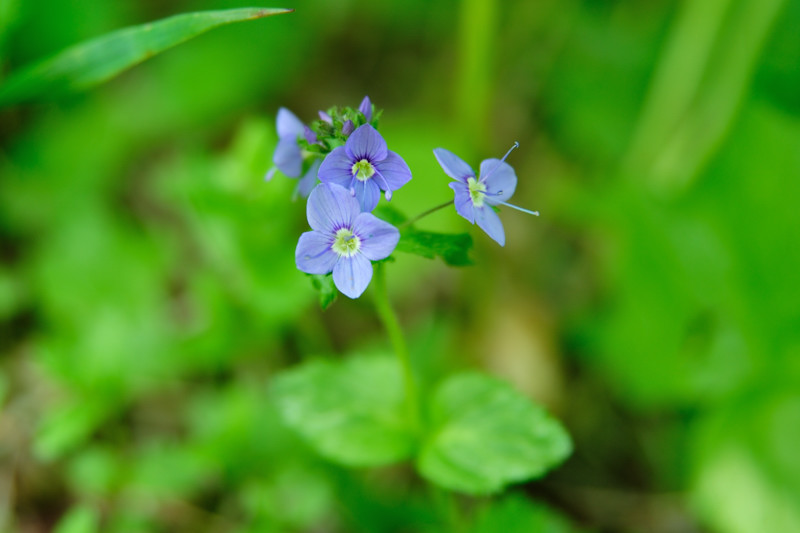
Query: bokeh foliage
{"type": "Point", "coordinates": [148, 292]}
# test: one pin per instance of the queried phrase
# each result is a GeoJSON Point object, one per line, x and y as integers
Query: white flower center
{"type": "Point", "coordinates": [476, 191]}
{"type": "Point", "coordinates": [362, 170]}
{"type": "Point", "coordinates": [346, 243]}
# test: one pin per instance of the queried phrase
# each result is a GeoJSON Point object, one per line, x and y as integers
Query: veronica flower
{"type": "Point", "coordinates": [475, 197]}
{"type": "Point", "coordinates": [344, 240]}
{"type": "Point", "coordinates": [365, 166]}
{"type": "Point", "coordinates": [288, 156]}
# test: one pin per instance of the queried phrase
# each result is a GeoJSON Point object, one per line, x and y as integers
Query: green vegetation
{"type": "Point", "coordinates": [164, 366]}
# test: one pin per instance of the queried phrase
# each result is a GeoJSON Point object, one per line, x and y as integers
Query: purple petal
{"type": "Point", "coordinates": [310, 136]}
{"type": "Point", "coordinates": [314, 254]}
{"type": "Point", "coordinates": [394, 170]}
{"type": "Point", "coordinates": [348, 127]}
{"type": "Point", "coordinates": [367, 193]}
{"type": "Point", "coordinates": [288, 158]}
{"type": "Point", "coordinates": [500, 180]}
{"type": "Point", "coordinates": [366, 108]}
{"type": "Point", "coordinates": [337, 167]}
{"type": "Point", "coordinates": [453, 166]}
{"type": "Point", "coordinates": [331, 207]}
{"type": "Point", "coordinates": [378, 238]}
{"type": "Point", "coordinates": [489, 222]}
{"type": "Point", "coordinates": [366, 143]}
{"type": "Point", "coordinates": [309, 179]}
{"type": "Point", "coordinates": [325, 117]}
{"type": "Point", "coordinates": [351, 275]}
{"type": "Point", "coordinates": [463, 201]}
{"type": "Point", "coordinates": [288, 125]}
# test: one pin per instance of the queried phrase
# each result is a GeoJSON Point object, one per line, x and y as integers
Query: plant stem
{"type": "Point", "coordinates": [425, 213]}
{"type": "Point", "coordinates": [392, 325]}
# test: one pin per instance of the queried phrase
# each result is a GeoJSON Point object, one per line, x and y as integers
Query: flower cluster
{"type": "Point", "coordinates": [345, 153]}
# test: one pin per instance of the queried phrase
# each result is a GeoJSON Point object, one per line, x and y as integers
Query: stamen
{"type": "Point", "coordinates": [512, 206]}
{"type": "Point", "coordinates": [385, 185]}
{"type": "Point", "coordinates": [516, 145]}
{"type": "Point", "coordinates": [345, 242]}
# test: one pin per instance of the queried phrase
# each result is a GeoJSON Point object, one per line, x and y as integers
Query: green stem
{"type": "Point", "coordinates": [392, 325]}
{"type": "Point", "coordinates": [425, 213]}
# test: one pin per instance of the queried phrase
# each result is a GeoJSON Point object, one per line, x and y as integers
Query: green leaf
{"type": "Point", "coordinates": [516, 514]}
{"type": "Point", "coordinates": [79, 519]}
{"type": "Point", "coordinates": [97, 60]}
{"type": "Point", "coordinates": [327, 289]}
{"type": "Point", "coordinates": [68, 426]}
{"type": "Point", "coordinates": [351, 411]}
{"type": "Point", "coordinates": [452, 248]}
{"type": "Point", "coordinates": [485, 435]}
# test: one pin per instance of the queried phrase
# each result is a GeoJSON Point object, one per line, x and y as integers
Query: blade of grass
{"type": "Point", "coordinates": [97, 60]}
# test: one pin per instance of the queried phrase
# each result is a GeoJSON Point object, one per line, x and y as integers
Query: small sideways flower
{"type": "Point", "coordinates": [365, 167]}
{"type": "Point", "coordinates": [288, 156]}
{"type": "Point", "coordinates": [475, 196]}
{"type": "Point", "coordinates": [343, 239]}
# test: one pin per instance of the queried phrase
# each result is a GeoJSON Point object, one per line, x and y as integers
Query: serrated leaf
{"type": "Point", "coordinates": [452, 248]}
{"type": "Point", "coordinates": [351, 411]}
{"type": "Point", "coordinates": [485, 435]}
{"type": "Point", "coordinates": [97, 60]}
{"type": "Point", "coordinates": [326, 288]}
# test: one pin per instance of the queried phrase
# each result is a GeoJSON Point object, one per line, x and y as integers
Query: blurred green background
{"type": "Point", "coordinates": [148, 288]}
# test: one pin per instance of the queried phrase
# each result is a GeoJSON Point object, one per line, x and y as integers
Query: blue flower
{"type": "Point", "coordinates": [475, 197]}
{"type": "Point", "coordinates": [365, 166]}
{"type": "Point", "coordinates": [344, 240]}
{"type": "Point", "coordinates": [288, 156]}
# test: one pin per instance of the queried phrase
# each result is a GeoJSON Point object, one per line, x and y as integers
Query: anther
{"type": "Point", "coordinates": [516, 145]}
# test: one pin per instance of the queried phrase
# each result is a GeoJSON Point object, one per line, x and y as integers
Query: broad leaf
{"type": "Point", "coordinates": [79, 519]}
{"type": "Point", "coordinates": [452, 248]}
{"type": "Point", "coordinates": [97, 60]}
{"type": "Point", "coordinates": [515, 514]}
{"type": "Point", "coordinates": [485, 435]}
{"type": "Point", "coordinates": [351, 411]}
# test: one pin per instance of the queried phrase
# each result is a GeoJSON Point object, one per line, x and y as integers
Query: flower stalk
{"type": "Point", "coordinates": [425, 213]}
{"type": "Point", "coordinates": [392, 325]}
